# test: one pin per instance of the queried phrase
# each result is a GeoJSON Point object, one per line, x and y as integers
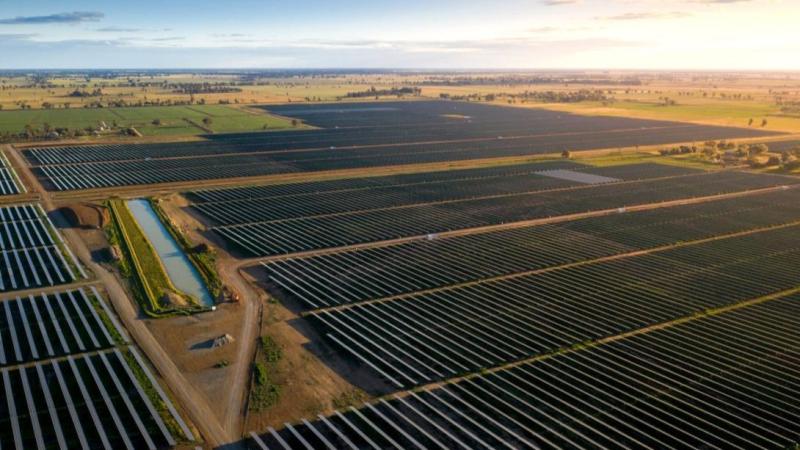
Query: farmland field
{"type": "Point", "coordinates": [31, 250]}
{"type": "Point", "coordinates": [348, 228]}
{"type": "Point", "coordinates": [725, 381]}
{"type": "Point", "coordinates": [175, 120]}
{"type": "Point", "coordinates": [420, 132]}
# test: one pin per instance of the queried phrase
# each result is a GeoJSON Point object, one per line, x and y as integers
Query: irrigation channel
{"type": "Point", "coordinates": [178, 266]}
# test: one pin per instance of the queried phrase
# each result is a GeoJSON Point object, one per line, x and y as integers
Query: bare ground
{"type": "Point", "coordinates": [312, 375]}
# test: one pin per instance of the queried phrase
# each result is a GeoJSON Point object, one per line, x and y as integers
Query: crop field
{"type": "Point", "coordinates": [423, 132]}
{"type": "Point", "coordinates": [310, 232]}
{"type": "Point", "coordinates": [31, 256]}
{"type": "Point", "coordinates": [9, 182]}
{"type": "Point", "coordinates": [175, 120]}
{"type": "Point", "coordinates": [69, 379]}
{"type": "Point", "coordinates": [724, 381]}
{"type": "Point", "coordinates": [381, 272]}
{"type": "Point", "coordinates": [47, 326]}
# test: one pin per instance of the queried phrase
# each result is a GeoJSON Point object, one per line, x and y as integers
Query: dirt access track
{"type": "Point", "coordinates": [308, 383]}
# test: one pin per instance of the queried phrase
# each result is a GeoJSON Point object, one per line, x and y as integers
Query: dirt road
{"type": "Point", "coordinates": [239, 382]}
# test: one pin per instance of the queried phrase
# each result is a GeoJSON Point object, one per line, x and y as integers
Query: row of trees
{"type": "Point", "coordinates": [581, 95]}
{"type": "Point", "coordinates": [373, 92]}
{"type": "Point", "coordinates": [755, 155]}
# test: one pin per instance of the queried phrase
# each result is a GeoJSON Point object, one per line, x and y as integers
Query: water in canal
{"type": "Point", "coordinates": [179, 268]}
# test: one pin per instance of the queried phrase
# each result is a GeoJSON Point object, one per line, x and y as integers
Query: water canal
{"type": "Point", "coordinates": [181, 272]}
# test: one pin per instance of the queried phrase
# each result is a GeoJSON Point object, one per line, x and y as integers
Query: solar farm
{"type": "Point", "coordinates": [9, 182]}
{"type": "Point", "coordinates": [407, 274]}
{"type": "Point", "coordinates": [70, 379]}
{"type": "Point", "coordinates": [670, 388]}
{"type": "Point", "coordinates": [33, 253]}
{"type": "Point", "coordinates": [353, 219]}
{"type": "Point", "coordinates": [358, 136]}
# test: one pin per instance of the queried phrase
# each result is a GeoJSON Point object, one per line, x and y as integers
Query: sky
{"type": "Point", "coordinates": [437, 34]}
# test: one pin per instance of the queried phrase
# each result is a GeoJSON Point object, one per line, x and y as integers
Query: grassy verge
{"type": "Point", "coordinates": [694, 160]}
{"type": "Point", "coordinates": [149, 120]}
{"type": "Point", "coordinates": [203, 260]}
{"type": "Point", "coordinates": [152, 395]}
{"type": "Point", "coordinates": [112, 330]}
{"type": "Point", "coordinates": [264, 392]}
{"type": "Point", "coordinates": [140, 264]}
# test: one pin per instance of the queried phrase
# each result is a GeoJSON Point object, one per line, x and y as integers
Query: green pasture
{"type": "Point", "coordinates": [175, 120]}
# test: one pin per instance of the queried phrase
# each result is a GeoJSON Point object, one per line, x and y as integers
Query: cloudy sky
{"type": "Point", "coordinates": [635, 34]}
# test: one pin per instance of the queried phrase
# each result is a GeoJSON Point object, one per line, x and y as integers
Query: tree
{"type": "Point", "coordinates": [750, 122]}
{"type": "Point", "coordinates": [757, 149]}
{"type": "Point", "coordinates": [709, 152]}
{"type": "Point", "coordinates": [207, 121]}
{"type": "Point", "coordinates": [566, 154]}
{"type": "Point", "coordinates": [763, 123]}
{"type": "Point", "coordinates": [156, 122]}
{"type": "Point", "coordinates": [294, 122]}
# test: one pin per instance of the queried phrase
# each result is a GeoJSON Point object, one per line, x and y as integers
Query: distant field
{"type": "Point", "coordinates": [175, 120]}
{"type": "Point", "coordinates": [729, 113]}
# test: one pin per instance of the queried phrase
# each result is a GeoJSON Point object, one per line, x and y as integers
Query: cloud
{"type": "Point", "coordinates": [167, 39]}
{"type": "Point", "coordinates": [542, 29]}
{"type": "Point", "coordinates": [16, 37]}
{"type": "Point", "coordinates": [647, 16]}
{"type": "Point", "coordinates": [69, 17]}
{"type": "Point", "coordinates": [560, 2]}
{"type": "Point", "coordinates": [118, 30]}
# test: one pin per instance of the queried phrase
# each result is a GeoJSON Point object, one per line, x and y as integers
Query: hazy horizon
{"type": "Point", "coordinates": [688, 35]}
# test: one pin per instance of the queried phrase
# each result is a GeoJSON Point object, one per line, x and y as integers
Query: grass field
{"type": "Point", "coordinates": [710, 111]}
{"type": "Point", "coordinates": [175, 120]}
